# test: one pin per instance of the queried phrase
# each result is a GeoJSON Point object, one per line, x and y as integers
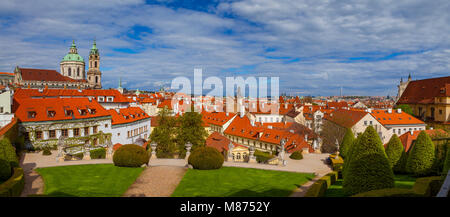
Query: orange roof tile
{"type": "Point", "coordinates": [394, 118]}
{"type": "Point", "coordinates": [35, 93]}
{"type": "Point", "coordinates": [127, 115]}
{"type": "Point", "coordinates": [424, 91]}
{"type": "Point", "coordinates": [44, 75]}
{"type": "Point", "coordinates": [346, 118]}
{"type": "Point", "coordinates": [407, 139]}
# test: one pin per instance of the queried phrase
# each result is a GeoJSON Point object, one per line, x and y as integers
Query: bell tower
{"type": "Point", "coordinates": [94, 76]}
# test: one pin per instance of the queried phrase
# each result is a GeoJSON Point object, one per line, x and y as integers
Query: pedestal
{"type": "Point", "coordinates": [87, 155]}
{"type": "Point", "coordinates": [252, 160]}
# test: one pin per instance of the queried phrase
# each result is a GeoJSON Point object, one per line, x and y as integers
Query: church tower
{"type": "Point", "coordinates": [402, 87]}
{"type": "Point", "coordinates": [72, 65]}
{"type": "Point", "coordinates": [94, 76]}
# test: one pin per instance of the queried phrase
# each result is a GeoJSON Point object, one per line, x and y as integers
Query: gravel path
{"type": "Point", "coordinates": [156, 181]}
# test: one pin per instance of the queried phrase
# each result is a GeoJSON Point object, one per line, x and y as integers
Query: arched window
{"type": "Point", "coordinates": [238, 156]}
{"type": "Point", "coordinates": [70, 72]}
{"type": "Point", "coordinates": [96, 79]}
{"type": "Point", "coordinates": [95, 64]}
{"type": "Point", "coordinates": [78, 71]}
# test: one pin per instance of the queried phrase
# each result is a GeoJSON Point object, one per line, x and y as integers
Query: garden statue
{"type": "Point", "coordinates": [153, 146]}
{"type": "Point", "coordinates": [188, 150]}
{"type": "Point", "coordinates": [281, 151]}
{"type": "Point", "coordinates": [60, 145]}
{"type": "Point", "coordinates": [87, 153]}
{"type": "Point", "coordinates": [337, 151]}
{"type": "Point", "coordinates": [252, 158]}
{"type": "Point", "coordinates": [109, 152]}
{"type": "Point", "coordinates": [230, 154]}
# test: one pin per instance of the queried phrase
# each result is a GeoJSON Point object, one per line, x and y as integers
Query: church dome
{"type": "Point", "coordinates": [72, 57]}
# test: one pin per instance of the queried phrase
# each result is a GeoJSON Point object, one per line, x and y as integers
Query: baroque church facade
{"type": "Point", "coordinates": [72, 73]}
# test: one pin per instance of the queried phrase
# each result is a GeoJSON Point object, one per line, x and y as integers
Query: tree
{"type": "Point", "coordinates": [330, 132]}
{"type": "Point", "coordinates": [164, 134]}
{"type": "Point", "coordinates": [405, 108]}
{"type": "Point", "coordinates": [347, 141]}
{"type": "Point", "coordinates": [191, 130]}
{"type": "Point", "coordinates": [447, 161]}
{"type": "Point", "coordinates": [421, 156]}
{"type": "Point", "coordinates": [8, 159]}
{"type": "Point", "coordinates": [367, 165]}
{"type": "Point", "coordinates": [394, 151]}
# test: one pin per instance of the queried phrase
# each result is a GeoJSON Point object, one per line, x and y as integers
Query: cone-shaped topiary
{"type": "Point", "coordinates": [347, 141]}
{"type": "Point", "coordinates": [421, 156]}
{"type": "Point", "coordinates": [349, 153]}
{"type": "Point", "coordinates": [394, 150]}
{"type": "Point", "coordinates": [5, 170]}
{"type": "Point", "coordinates": [399, 168]}
{"type": "Point", "coordinates": [206, 158]}
{"type": "Point", "coordinates": [368, 167]}
{"type": "Point", "coordinates": [368, 173]}
{"type": "Point", "coordinates": [130, 155]}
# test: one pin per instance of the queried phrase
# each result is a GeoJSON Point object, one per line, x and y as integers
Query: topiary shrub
{"type": "Point", "coordinates": [439, 158]}
{"type": "Point", "coordinates": [421, 156]}
{"type": "Point", "coordinates": [130, 156]}
{"type": "Point", "coordinates": [8, 153]}
{"type": "Point", "coordinates": [206, 158]}
{"type": "Point", "coordinates": [262, 157]}
{"type": "Point", "coordinates": [389, 192]}
{"type": "Point", "coordinates": [296, 155]}
{"type": "Point", "coordinates": [46, 151]}
{"type": "Point", "coordinates": [99, 153]}
{"type": "Point", "coordinates": [371, 172]}
{"type": "Point", "coordinates": [5, 170]}
{"type": "Point", "coordinates": [349, 153]}
{"type": "Point", "coordinates": [428, 186]}
{"type": "Point", "coordinates": [346, 143]}
{"type": "Point", "coordinates": [394, 151]}
{"type": "Point", "coordinates": [317, 189]}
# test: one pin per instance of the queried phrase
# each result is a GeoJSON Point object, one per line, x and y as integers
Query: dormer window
{"type": "Point", "coordinates": [69, 112]}
{"type": "Point", "coordinates": [51, 113]}
{"type": "Point", "coordinates": [109, 99]}
{"type": "Point", "coordinates": [92, 111]}
{"type": "Point", "coordinates": [82, 111]}
{"type": "Point", "coordinates": [101, 99]}
{"type": "Point", "coordinates": [31, 114]}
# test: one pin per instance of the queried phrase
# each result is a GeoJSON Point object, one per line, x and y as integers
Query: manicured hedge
{"type": "Point", "coordinates": [336, 164]}
{"type": "Point", "coordinates": [389, 192]}
{"type": "Point", "coordinates": [13, 186]}
{"type": "Point", "coordinates": [296, 155]}
{"type": "Point", "coordinates": [317, 189]}
{"type": "Point", "coordinates": [347, 141]}
{"type": "Point", "coordinates": [394, 151]}
{"type": "Point", "coordinates": [262, 157]}
{"type": "Point", "coordinates": [206, 158]}
{"type": "Point", "coordinates": [130, 156]}
{"type": "Point", "coordinates": [428, 186]}
{"type": "Point", "coordinates": [99, 153]}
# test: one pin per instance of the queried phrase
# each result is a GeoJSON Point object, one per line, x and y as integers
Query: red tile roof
{"type": "Point", "coordinates": [394, 118]}
{"type": "Point", "coordinates": [407, 139]}
{"type": "Point", "coordinates": [216, 118]}
{"type": "Point", "coordinates": [44, 75]}
{"type": "Point", "coordinates": [241, 127]}
{"type": "Point", "coordinates": [219, 142]}
{"type": "Point", "coordinates": [7, 73]}
{"type": "Point", "coordinates": [127, 115]}
{"type": "Point", "coordinates": [47, 93]}
{"type": "Point", "coordinates": [52, 109]}
{"type": "Point", "coordinates": [346, 118]}
{"type": "Point", "coordinates": [337, 105]}
{"type": "Point", "coordinates": [424, 91]}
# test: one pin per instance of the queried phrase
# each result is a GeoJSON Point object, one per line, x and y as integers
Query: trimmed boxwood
{"type": "Point", "coordinates": [130, 155]}
{"type": "Point", "coordinates": [346, 143]}
{"type": "Point", "coordinates": [206, 158]}
{"type": "Point", "coordinates": [14, 185]}
{"type": "Point", "coordinates": [336, 164]}
{"type": "Point", "coordinates": [46, 151]}
{"type": "Point", "coordinates": [5, 170]}
{"type": "Point", "coordinates": [317, 189]}
{"type": "Point", "coordinates": [296, 155]}
{"type": "Point", "coordinates": [262, 157]}
{"type": "Point", "coordinates": [421, 156]}
{"type": "Point", "coordinates": [8, 153]}
{"type": "Point", "coordinates": [99, 153]}
{"type": "Point", "coordinates": [371, 172]}
{"type": "Point", "coordinates": [428, 186]}
{"type": "Point", "coordinates": [389, 192]}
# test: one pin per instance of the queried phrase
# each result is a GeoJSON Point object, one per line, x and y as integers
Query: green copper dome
{"type": "Point", "coordinates": [73, 54]}
{"type": "Point", "coordinates": [73, 57]}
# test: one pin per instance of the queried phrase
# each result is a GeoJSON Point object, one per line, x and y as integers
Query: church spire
{"type": "Point", "coordinates": [94, 49]}
{"type": "Point", "coordinates": [409, 77]}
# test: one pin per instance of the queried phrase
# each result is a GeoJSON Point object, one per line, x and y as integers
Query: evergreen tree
{"type": "Point", "coordinates": [191, 130]}
{"type": "Point", "coordinates": [8, 159]}
{"type": "Point", "coordinates": [349, 154]}
{"type": "Point", "coordinates": [421, 156]}
{"type": "Point", "coordinates": [347, 141]}
{"type": "Point", "coordinates": [164, 134]}
{"type": "Point", "coordinates": [368, 167]}
{"type": "Point", "coordinates": [394, 151]}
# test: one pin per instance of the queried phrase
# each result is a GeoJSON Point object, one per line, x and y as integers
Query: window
{"type": "Point", "coordinates": [94, 128]}
{"type": "Point", "coordinates": [76, 132]}
{"type": "Point", "coordinates": [51, 113]}
{"type": "Point", "coordinates": [365, 123]}
{"type": "Point", "coordinates": [101, 98]}
{"type": "Point", "coordinates": [38, 134]}
{"type": "Point", "coordinates": [31, 114]}
{"type": "Point", "coordinates": [109, 99]}
{"type": "Point", "coordinates": [1, 109]}
{"type": "Point", "coordinates": [64, 132]}
{"type": "Point", "coordinates": [128, 133]}
{"type": "Point", "coordinates": [51, 134]}
{"type": "Point", "coordinates": [78, 71]}
{"type": "Point", "coordinates": [440, 111]}
{"type": "Point", "coordinates": [370, 122]}
{"type": "Point", "coordinates": [86, 131]}
{"type": "Point", "coordinates": [70, 72]}
{"type": "Point", "coordinates": [106, 125]}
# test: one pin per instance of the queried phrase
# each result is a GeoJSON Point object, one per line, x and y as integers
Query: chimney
{"type": "Point", "coordinates": [369, 110]}
{"type": "Point", "coordinates": [411, 132]}
{"type": "Point", "coordinates": [260, 134]}
{"type": "Point", "coordinates": [270, 126]}
{"type": "Point", "coordinates": [399, 110]}
{"type": "Point", "coordinates": [291, 131]}
{"type": "Point", "coordinates": [390, 111]}
{"type": "Point", "coordinates": [285, 105]}
{"type": "Point", "coordinates": [306, 137]}
{"type": "Point", "coordinates": [227, 114]}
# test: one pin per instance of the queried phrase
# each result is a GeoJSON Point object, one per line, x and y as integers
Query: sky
{"type": "Point", "coordinates": [315, 47]}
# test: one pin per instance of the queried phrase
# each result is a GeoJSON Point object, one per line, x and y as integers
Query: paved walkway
{"type": "Point", "coordinates": [175, 168]}
{"type": "Point", "coordinates": [156, 181]}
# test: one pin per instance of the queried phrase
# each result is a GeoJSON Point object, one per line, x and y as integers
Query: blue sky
{"type": "Point", "coordinates": [315, 47]}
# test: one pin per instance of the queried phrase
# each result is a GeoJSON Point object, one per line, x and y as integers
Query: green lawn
{"type": "Point", "coordinates": [239, 182]}
{"type": "Point", "coordinates": [95, 180]}
{"type": "Point", "coordinates": [401, 181]}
